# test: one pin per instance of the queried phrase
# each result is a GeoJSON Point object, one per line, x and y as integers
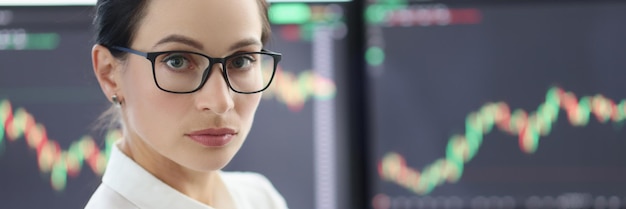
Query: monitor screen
{"type": "Point", "coordinates": [52, 150]}
{"type": "Point", "coordinates": [487, 104]}
{"type": "Point", "coordinates": [297, 135]}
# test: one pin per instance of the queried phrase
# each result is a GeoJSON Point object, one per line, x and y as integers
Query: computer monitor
{"type": "Point", "coordinates": [496, 104]}
{"type": "Point", "coordinates": [49, 102]}
{"type": "Point", "coordinates": [297, 136]}
{"type": "Point", "coordinates": [51, 152]}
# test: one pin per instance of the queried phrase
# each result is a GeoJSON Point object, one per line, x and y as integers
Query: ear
{"type": "Point", "coordinates": [106, 69]}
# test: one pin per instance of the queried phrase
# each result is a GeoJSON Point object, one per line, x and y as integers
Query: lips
{"type": "Point", "coordinates": [213, 137]}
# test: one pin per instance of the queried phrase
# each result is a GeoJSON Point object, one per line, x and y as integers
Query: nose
{"type": "Point", "coordinates": [215, 95]}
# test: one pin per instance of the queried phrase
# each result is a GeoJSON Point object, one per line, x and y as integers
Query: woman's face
{"type": "Point", "coordinates": [202, 130]}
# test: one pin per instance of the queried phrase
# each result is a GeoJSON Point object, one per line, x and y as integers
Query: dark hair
{"type": "Point", "coordinates": [116, 22]}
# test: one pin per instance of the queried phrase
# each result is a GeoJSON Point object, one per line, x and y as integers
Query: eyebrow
{"type": "Point", "coordinates": [193, 43]}
{"type": "Point", "coordinates": [181, 39]}
{"type": "Point", "coordinates": [244, 43]}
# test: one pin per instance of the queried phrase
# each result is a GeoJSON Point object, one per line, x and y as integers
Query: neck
{"type": "Point", "coordinates": [205, 187]}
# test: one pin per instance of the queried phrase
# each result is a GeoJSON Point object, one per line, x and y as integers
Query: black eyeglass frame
{"type": "Point", "coordinates": [223, 60]}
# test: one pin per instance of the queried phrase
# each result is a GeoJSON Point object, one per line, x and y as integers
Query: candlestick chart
{"type": "Point", "coordinates": [18, 123]}
{"type": "Point", "coordinates": [51, 158]}
{"type": "Point", "coordinates": [527, 126]}
{"type": "Point", "coordinates": [47, 148]}
{"type": "Point", "coordinates": [294, 89]}
{"type": "Point", "coordinates": [514, 110]}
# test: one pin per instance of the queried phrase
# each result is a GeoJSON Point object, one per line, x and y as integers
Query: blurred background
{"type": "Point", "coordinates": [388, 104]}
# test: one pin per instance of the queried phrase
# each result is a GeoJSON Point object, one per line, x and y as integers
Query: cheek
{"type": "Point", "coordinates": [149, 111]}
{"type": "Point", "coordinates": [246, 106]}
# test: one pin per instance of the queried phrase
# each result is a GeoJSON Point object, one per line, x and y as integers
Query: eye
{"type": "Point", "coordinates": [243, 61]}
{"type": "Point", "coordinates": [176, 61]}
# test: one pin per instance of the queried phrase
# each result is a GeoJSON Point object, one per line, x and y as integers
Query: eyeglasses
{"type": "Point", "coordinates": [184, 72]}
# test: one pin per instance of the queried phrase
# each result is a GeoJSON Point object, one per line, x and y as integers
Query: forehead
{"type": "Point", "coordinates": [217, 24]}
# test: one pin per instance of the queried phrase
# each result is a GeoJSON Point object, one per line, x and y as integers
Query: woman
{"type": "Point", "coordinates": [185, 78]}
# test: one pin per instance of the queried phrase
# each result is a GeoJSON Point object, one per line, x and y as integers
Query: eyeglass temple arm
{"type": "Point", "coordinates": [277, 56]}
{"type": "Point", "coordinates": [130, 51]}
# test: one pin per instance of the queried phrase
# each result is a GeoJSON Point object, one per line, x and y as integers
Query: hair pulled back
{"type": "Point", "coordinates": [116, 22]}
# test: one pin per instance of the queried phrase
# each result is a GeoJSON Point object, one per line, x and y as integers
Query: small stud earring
{"type": "Point", "coordinates": [116, 101]}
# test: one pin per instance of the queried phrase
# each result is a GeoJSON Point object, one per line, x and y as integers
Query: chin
{"type": "Point", "coordinates": [204, 159]}
{"type": "Point", "coordinates": [210, 163]}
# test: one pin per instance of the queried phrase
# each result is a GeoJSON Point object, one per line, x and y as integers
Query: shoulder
{"type": "Point", "coordinates": [253, 189]}
{"type": "Point", "coordinates": [105, 197]}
